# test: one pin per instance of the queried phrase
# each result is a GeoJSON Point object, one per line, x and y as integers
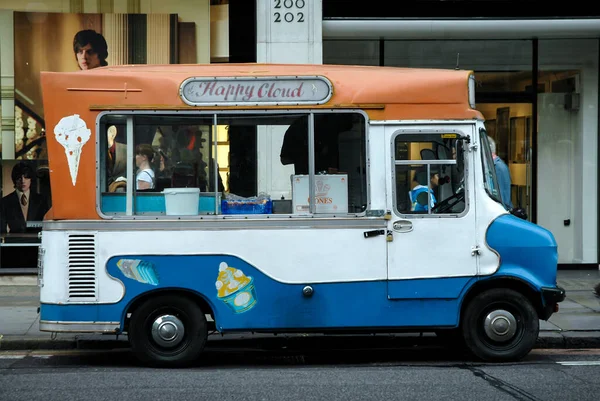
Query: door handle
{"type": "Point", "coordinates": [403, 226]}
{"type": "Point", "coordinates": [373, 233]}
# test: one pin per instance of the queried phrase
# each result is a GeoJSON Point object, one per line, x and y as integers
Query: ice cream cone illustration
{"type": "Point", "coordinates": [139, 270]}
{"type": "Point", "coordinates": [235, 288]}
{"type": "Point", "coordinates": [72, 133]}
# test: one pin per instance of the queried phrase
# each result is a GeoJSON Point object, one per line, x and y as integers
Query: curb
{"type": "Point", "coordinates": [569, 339]}
{"type": "Point", "coordinates": [29, 280]}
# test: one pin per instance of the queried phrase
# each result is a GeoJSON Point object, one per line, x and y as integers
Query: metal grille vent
{"type": "Point", "coordinates": [82, 267]}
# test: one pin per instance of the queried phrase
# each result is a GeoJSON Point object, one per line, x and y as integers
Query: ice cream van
{"type": "Point", "coordinates": [197, 199]}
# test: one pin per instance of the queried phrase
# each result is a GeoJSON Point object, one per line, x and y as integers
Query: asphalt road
{"type": "Point", "coordinates": [238, 374]}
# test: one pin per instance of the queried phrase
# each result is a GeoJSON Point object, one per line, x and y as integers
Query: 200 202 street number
{"type": "Point", "coordinates": [289, 16]}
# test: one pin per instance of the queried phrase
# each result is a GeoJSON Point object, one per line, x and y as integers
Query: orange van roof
{"type": "Point", "coordinates": [389, 93]}
{"type": "Point", "coordinates": [385, 93]}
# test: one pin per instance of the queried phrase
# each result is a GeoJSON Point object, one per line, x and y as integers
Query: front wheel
{"type": "Point", "coordinates": [168, 331]}
{"type": "Point", "coordinates": [500, 325]}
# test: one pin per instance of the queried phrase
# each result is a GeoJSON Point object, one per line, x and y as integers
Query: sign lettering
{"type": "Point", "coordinates": [255, 91]}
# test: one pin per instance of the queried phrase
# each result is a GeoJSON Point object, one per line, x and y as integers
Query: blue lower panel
{"type": "Point", "coordinates": [243, 298]}
{"type": "Point", "coordinates": [440, 288]}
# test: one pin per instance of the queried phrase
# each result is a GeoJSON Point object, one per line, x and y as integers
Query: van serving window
{"type": "Point", "coordinates": [214, 155]}
{"type": "Point", "coordinates": [430, 173]}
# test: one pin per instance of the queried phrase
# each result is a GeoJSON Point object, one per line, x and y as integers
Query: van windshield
{"type": "Point", "coordinates": [489, 172]}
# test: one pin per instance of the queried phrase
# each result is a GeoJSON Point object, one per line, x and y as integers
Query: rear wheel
{"type": "Point", "coordinates": [168, 330]}
{"type": "Point", "coordinates": [500, 325]}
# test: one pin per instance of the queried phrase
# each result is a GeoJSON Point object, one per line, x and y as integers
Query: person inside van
{"type": "Point", "coordinates": [502, 175]}
{"type": "Point", "coordinates": [418, 195]}
{"type": "Point", "coordinates": [144, 156]}
{"type": "Point", "coordinates": [328, 126]}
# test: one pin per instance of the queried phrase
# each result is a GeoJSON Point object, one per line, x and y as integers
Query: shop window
{"type": "Point", "coordinates": [203, 152]}
{"type": "Point", "coordinates": [429, 174]}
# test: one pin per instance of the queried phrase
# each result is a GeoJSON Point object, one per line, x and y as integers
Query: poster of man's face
{"type": "Point", "coordinates": [90, 49]}
{"type": "Point", "coordinates": [78, 42]}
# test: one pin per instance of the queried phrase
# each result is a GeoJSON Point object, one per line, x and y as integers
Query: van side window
{"type": "Point", "coordinates": [113, 154]}
{"type": "Point", "coordinates": [429, 173]}
{"type": "Point", "coordinates": [339, 162]}
{"type": "Point", "coordinates": [240, 163]}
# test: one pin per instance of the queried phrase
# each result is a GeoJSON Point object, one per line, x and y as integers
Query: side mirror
{"type": "Point", "coordinates": [519, 212]}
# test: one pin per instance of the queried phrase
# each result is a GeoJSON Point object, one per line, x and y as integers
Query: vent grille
{"type": "Point", "coordinates": [82, 267]}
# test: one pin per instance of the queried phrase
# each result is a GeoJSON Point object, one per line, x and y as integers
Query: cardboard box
{"type": "Point", "coordinates": [331, 193]}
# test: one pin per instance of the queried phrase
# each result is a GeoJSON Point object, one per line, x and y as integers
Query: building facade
{"type": "Point", "coordinates": [537, 75]}
{"type": "Point", "coordinates": [537, 86]}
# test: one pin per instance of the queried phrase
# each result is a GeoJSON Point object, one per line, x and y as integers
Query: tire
{"type": "Point", "coordinates": [169, 350]}
{"type": "Point", "coordinates": [500, 344]}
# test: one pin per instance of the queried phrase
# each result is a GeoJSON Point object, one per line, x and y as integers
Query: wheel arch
{"type": "Point", "coordinates": [189, 294]}
{"type": "Point", "coordinates": [513, 283]}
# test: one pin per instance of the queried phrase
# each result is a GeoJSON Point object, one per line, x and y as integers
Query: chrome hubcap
{"type": "Point", "coordinates": [500, 325]}
{"type": "Point", "coordinates": [167, 331]}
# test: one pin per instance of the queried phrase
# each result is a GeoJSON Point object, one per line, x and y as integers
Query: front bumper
{"type": "Point", "coordinates": [551, 296]}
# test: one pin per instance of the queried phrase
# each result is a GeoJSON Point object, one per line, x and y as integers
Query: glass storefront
{"type": "Point", "coordinates": [509, 124]}
{"type": "Point", "coordinates": [540, 103]}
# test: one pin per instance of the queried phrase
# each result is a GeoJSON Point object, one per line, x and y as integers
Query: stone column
{"type": "Point", "coordinates": [288, 31]}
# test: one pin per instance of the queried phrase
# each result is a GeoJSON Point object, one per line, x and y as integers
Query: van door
{"type": "Point", "coordinates": [432, 233]}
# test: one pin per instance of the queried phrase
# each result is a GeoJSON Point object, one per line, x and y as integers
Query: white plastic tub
{"type": "Point", "coordinates": [181, 201]}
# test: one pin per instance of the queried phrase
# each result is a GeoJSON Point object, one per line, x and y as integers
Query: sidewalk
{"type": "Point", "coordinates": [576, 325]}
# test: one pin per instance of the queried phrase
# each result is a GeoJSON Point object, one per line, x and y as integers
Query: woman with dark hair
{"type": "Point", "coordinates": [144, 156]}
{"type": "Point", "coordinates": [90, 49]}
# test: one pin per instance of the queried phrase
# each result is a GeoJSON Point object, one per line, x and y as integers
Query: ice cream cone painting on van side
{"type": "Point", "coordinates": [235, 288]}
{"type": "Point", "coordinates": [72, 133]}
